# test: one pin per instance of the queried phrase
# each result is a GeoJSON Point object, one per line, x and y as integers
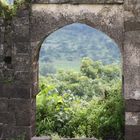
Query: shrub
{"type": "Point", "coordinates": [78, 105]}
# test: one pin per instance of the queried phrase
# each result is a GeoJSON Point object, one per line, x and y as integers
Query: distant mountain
{"type": "Point", "coordinates": [73, 42]}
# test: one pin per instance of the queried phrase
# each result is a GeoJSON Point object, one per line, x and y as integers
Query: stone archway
{"type": "Point", "coordinates": [102, 17]}
{"type": "Point", "coordinates": [20, 41]}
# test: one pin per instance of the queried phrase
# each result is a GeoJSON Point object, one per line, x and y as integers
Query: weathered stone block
{"type": "Point", "coordinates": [9, 37]}
{"type": "Point", "coordinates": [1, 130]}
{"type": "Point", "coordinates": [131, 5]}
{"type": "Point", "coordinates": [132, 26]}
{"type": "Point", "coordinates": [3, 105]}
{"type": "Point", "coordinates": [131, 52]}
{"type": "Point", "coordinates": [22, 62]}
{"type": "Point", "coordinates": [8, 75]}
{"type": "Point", "coordinates": [132, 118]}
{"type": "Point", "coordinates": [22, 104]}
{"type": "Point", "coordinates": [20, 21]}
{"type": "Point", "coordinates": [4, 93]}
{"type": "Point", "coordinates": [2, 29]}
{"type": "Point", "coordinates": [15, 91]}
{"type": "Point", "coordinates": [11, 105]}
{"type": "Point", "coordinates": [16, 104]}
{"type": "Point", "coordinates": [1, 49]}
{"type": "Point", "coordinates": [23, 118]}
{"type": "Point", "coordinates": [7, 118]}
{"type": "Point", "coordinates": [1, 58]}
{"type": "Point", "coordinates": [21, 47]}
{"type": "Point", "coordinates": [22, 76]}
{"type": "Point", "coordinates": [132, 14]}
{"type": "Point", "coordinates": [17, 132]}
{"type": "Point", "coordinates": [1, 74]}
{"type": "Point", "coordinates": [132, 105]}
{"type": "Point", "coordinates": [132, 132]}
{"type": "Point", "coordinates": [23, 92]}
{"type": "Point", "coordinates": [21, 33]}
{"type": "Point", "coordinates": [23, 12]}
{"type": "Point", "coordinates": [20, 92]}
{"type": "Point", "coordinates": [131, 82]}
{"type": "Point", "coordinates": [79, 1]}
{"type": "Point", "coordinates": [41, 138]}
{"type": "Point", "coordinates": [23, 112]}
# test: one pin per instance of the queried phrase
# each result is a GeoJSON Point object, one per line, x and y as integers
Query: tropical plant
{"type": "Point", "coordinates": [84, 104]}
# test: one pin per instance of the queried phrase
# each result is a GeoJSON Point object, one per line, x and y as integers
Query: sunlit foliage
{"type": "Point", "coordinates": [82, 104]}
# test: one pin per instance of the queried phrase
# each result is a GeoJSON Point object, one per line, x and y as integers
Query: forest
{"type": "Point", "coordinates": [80, 85]}
{"type": "Point", "coordinates": [65, 48]}
{"type": "Point", "coordinates": [82, 104]}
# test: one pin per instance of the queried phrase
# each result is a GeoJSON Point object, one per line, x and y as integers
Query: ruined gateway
{"type": "Point", "coordinates": [20, 41]}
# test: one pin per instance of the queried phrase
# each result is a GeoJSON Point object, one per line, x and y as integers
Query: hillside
{"type": "Point", "coordinates": [65, 48]}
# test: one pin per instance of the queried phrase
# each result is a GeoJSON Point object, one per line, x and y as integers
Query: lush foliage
{"type": "Point", "coordinates": [86, 103]}
{"type": "Point", "coordinates": [7, 11]}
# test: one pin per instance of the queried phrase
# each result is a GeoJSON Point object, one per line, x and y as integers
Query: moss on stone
{"type": "Point", "coordinates": [8, 11]}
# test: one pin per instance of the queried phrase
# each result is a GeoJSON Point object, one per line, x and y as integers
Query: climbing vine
{"type": "Point", "coordinates": [8, 11]}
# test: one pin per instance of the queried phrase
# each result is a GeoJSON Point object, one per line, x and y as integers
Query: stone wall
{"type": "Point", "coordinates": [132, 68]}
{"type": "Point", "coordinates": [79, 1]}
{"type": "Point", "coordinates": [20, 41]}
{"type": "Point", "coordinates": [2, 30]}
{"type": "Point", "coordinates": [17, 106]}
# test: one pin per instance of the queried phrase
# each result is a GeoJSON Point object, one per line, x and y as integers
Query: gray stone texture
{"type": "Point", "coordinates": [131, 64]}
{"type": "Point", "coordinates": [49, 138]}
{"type": "Point", "coordinates": [107, 18]}
{"type": "Point", "coordinates": [132, 132]}
{"type": "Point", "coordinates": [20, 40]}
{"type": "Point", "coordinates": [41, 138]}
{"type": "Point", "coordinates": [79, 1]}
{"type": "Point", "coordinates": [132, 105]}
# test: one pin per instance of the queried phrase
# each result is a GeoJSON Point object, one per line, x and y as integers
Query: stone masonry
{"type": "Point", "coordinates": [20, 42]}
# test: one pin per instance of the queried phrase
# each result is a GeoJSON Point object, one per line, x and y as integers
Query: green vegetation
{"type": "Point", "coordinates": [87, 103]}
{"type": "Point", "coordinates": [8, 11]}
{"type": "Point", "coordinates": [80, 97]}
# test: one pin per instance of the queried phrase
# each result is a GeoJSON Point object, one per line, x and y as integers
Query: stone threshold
{"type": "Point", "coordinates": [79, 1]}
{"type": "Point", "coordinates": [49, 138]}
{"type": "Point", "coordinates": [41, 138]}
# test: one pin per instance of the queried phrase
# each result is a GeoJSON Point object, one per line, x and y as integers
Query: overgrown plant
{"type": "Point", "coordinates": [8, 11]}
{"type": "Point", "coordinates": [84, 104]}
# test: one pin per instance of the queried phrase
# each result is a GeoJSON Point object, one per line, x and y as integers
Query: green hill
{"type": "Point", "coordinates": [65, 48]}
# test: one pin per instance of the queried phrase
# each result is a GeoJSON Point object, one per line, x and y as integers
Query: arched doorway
{"type": "Point", "coordinates": [45, 22]}
{"type": "Point", "coordinates": [69, 45]}
{"type": "Point", "coordinates": [29, 28]}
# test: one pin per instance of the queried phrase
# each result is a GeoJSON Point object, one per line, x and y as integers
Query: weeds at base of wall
{"type": "Point", "coordinates": [55, 137]}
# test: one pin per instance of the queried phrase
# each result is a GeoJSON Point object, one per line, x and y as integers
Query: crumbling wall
{"type": "Point", "coordinates": [16, 102]}
{"type": "Point", "coordinates": [20, 40]}
{"type": "Point", "coordinates": [132, 68]}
